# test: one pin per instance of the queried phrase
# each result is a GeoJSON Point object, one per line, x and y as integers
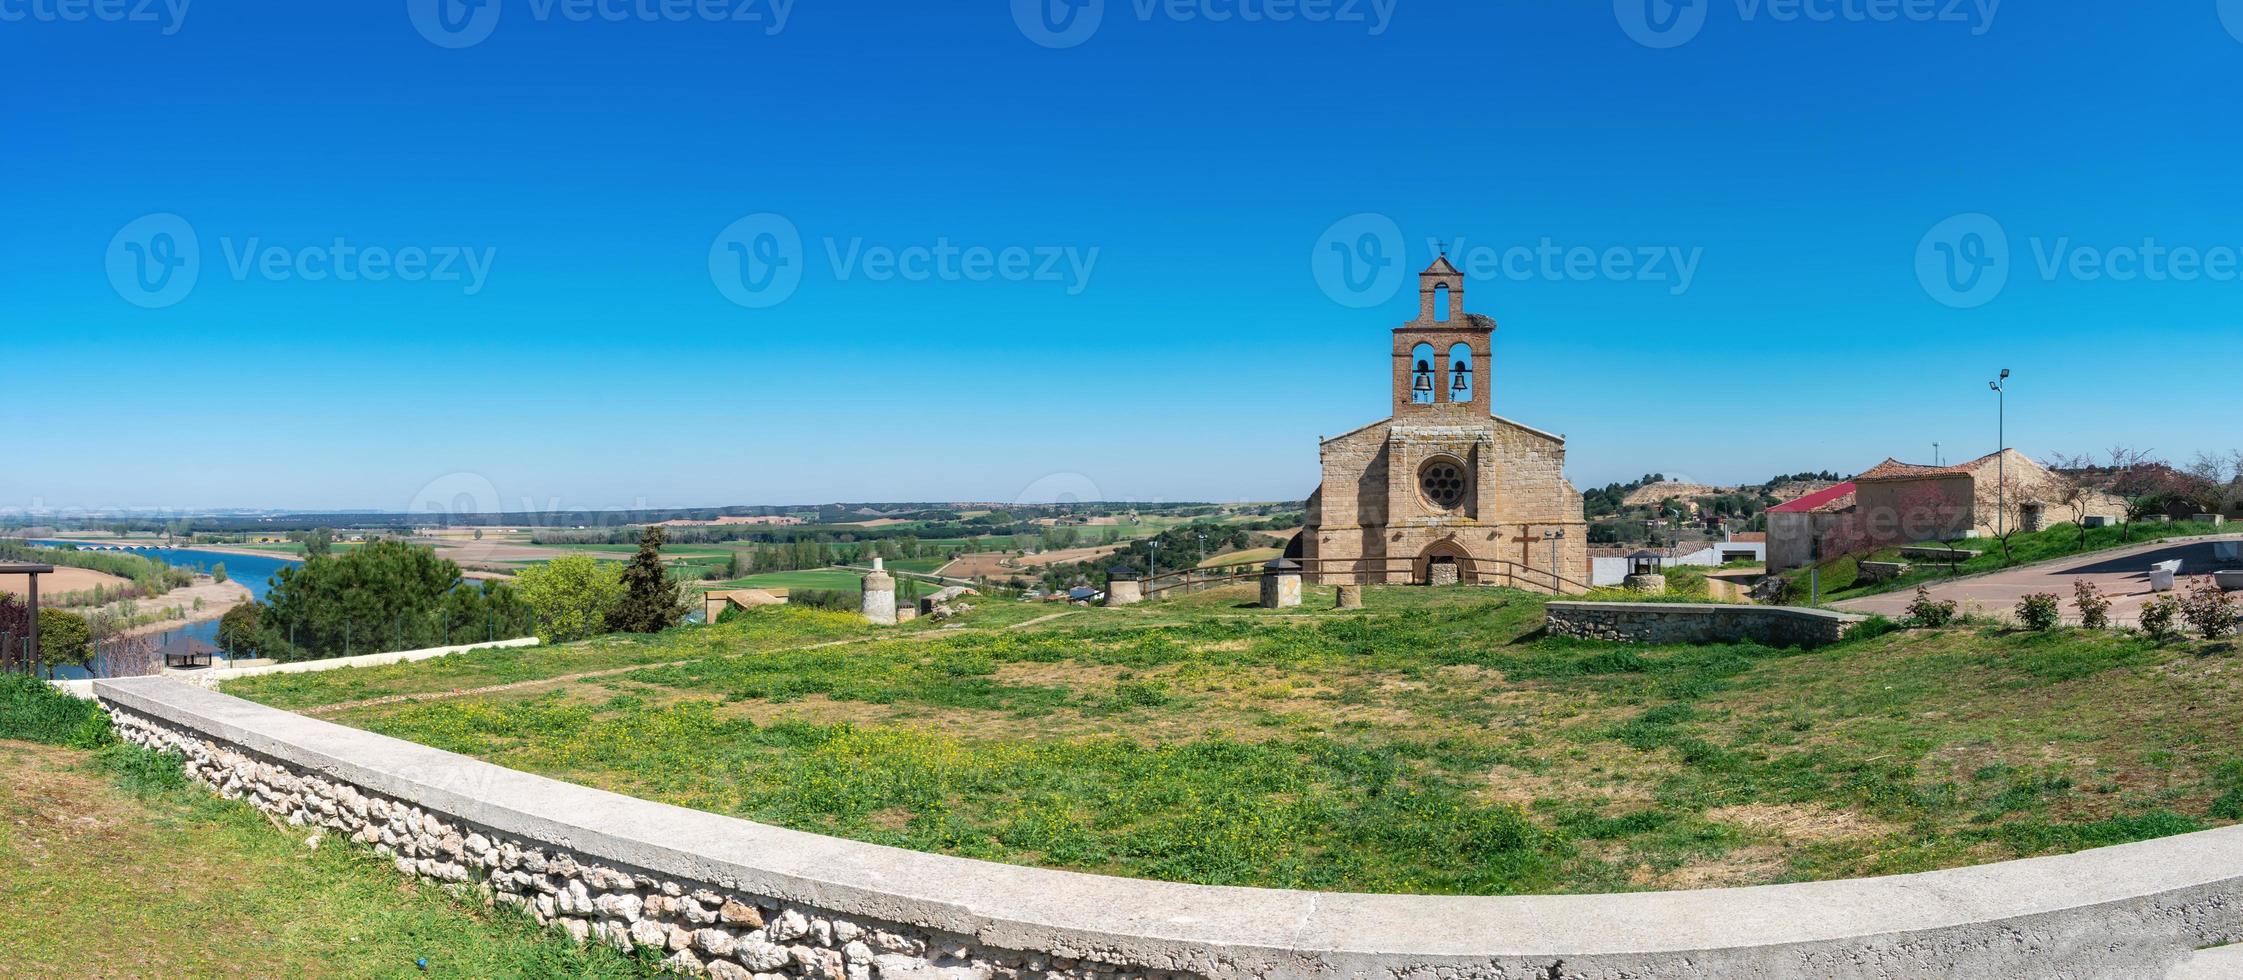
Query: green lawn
{"type": "Point", "coordinates": [1434, 742]}
{"type": "Point", "coordinates": [117, 865]}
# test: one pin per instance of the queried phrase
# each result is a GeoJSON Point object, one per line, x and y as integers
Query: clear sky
{"type": "Point", "coordinates": [560, 221]}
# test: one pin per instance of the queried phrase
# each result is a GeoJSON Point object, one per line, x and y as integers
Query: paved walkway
{"type": "Point", "coordinates": [2121, 573]}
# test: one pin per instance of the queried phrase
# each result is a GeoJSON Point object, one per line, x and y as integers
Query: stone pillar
{"type": "Point", "coordinates": [879, 595]}
{"type": "Point", "coordinates": [1124, 591]}
{"type": "Point", "coordinates": [1351, 597]}
{"type": "Point", "coordinates": [1281, 584]}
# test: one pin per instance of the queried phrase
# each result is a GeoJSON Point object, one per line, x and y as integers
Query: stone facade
{"type": "Point", "coordinates": [1677, 622]}
{"type": "Point", "coordinates": [1443, 490]}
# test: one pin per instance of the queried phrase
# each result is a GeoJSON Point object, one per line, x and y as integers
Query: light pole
{"type": "Point", "coordinates": [2001, 461]}
{"type": "Point", "coordinates": [1554, 537]}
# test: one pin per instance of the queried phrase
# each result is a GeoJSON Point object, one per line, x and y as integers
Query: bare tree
{"type": "Point", "coordinates": [1993, 500]}
{"type": "Point", "coordinates": [2071, 491]}
{"type": "Point", "coordinates": [2222, 478]}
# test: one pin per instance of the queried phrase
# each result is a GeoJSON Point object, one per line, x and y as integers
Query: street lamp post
{"type": "Point", "coordinates": [2001, 461]}
{"type": "Point", "coordinates": [1554, 536]}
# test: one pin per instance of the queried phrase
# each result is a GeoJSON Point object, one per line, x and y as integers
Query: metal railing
{"type": "Point", "coordinates": [1366, 571]}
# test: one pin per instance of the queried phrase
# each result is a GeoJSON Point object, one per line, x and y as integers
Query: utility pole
{"type": "Point", "coordinates": [2001, 461]}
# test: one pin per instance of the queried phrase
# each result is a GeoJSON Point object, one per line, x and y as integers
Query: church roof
{"type": "Point", "coordinates": [1441, 267]}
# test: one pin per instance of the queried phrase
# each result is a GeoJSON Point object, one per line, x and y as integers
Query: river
{"type": "Point", "coordinates": [253, 571]}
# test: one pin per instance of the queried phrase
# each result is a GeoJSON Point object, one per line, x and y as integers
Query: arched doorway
{"type": "Point", "coordinates": [1444, 563]}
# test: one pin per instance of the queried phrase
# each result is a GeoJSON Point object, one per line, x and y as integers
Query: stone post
{"type": "Point", "coordinates": [1351, 597]}
{"type": "Point", "coordinates": [1124, 591]}
{"type": "Point", "coordinates": [1281, 584]}
{"type": "Point", "coordinates": [879, 595]}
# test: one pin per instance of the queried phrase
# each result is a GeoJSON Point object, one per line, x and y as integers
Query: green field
{"type": "Point", "coordinates": [1434, 742]}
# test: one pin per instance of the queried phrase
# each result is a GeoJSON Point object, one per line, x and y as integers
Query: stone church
{"type": "Point", "coordinates": [1444, 491]}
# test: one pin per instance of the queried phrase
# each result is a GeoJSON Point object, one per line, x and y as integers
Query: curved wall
{"type": "Point", "coordinates": [741, 899]}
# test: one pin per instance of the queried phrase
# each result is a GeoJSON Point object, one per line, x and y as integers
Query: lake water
{"type": "Point", "coordinates": [254, 571]}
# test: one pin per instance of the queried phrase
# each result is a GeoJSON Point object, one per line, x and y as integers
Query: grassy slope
{"type": "Point", "coordinates": [1434, 743]}
{"type": "Point", "coordinates": [125, 870]}
{"type": "Point", "coordinates": [118, 866]}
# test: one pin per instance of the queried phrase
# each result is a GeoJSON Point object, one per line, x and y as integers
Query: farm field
{"type": "Point", "coordinates": [1434, 742]}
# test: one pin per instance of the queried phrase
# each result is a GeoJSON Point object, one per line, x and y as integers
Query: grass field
{"type": "Point", "coordinates": [118, 866]}
{"type": "Point", "coordinates": [1434, 742]}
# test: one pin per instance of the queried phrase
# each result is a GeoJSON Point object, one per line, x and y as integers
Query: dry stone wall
{"type": "Point", "coordinates": [1678, 622]}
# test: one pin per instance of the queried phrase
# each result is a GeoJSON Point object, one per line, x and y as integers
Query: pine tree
{"type": "Point", "coordinates": [652, 601]}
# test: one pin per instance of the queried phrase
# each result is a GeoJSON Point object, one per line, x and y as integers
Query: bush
{"type": "Point", "coordinates": [2094, 607]}
{"type": "Point", "coordinates": [2209, 609]}
{"type": "Point", "coordinates": [31, 710]}
{"type": "Point", "coordinates": [1928, 613]}
{"type": "Point", "coordinates": [2039, 611]}
{"type": "Point", "coordinates": [2158, 616]}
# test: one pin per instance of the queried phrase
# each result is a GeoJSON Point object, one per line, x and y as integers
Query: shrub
{"type": "Point", "coordinates": [31, 710]}
{"type": "Point", "coordinates": [2158, 616]}
{"type": "Point", "coordinates": [1929, 613]}
{"type": "Point", "coordinates": [2209, 609]}
{"type": "Point", "coordinates": [2094, 607]}
{"type": "Point", "coordinates": [2039, 611]}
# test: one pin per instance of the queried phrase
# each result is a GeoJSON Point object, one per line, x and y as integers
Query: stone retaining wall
{"type": "Point", "coordinates": [736, 899]}
{"type": "Point", "coordinates": [1679, 622]}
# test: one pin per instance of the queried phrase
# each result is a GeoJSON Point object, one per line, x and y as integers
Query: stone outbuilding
{"type": "Point", "coordinates": [1443, 491]}
{"type": "Point", "coordinates": [1896, 503]}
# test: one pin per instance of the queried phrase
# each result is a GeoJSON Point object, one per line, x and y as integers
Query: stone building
{"type": "Point", "coordinates": [1443, 491]}
{"type": "Point", "coordinates": [1896, 503]}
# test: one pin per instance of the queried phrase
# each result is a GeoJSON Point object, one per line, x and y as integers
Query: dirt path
{"type": "Point", "coordinates": [2120, 573]}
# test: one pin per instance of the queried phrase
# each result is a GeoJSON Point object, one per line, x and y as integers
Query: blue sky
{"type": "Point", "coordinates": [1153, 186]}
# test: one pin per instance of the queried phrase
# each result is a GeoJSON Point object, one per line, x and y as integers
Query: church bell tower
{"type": "Point", "coordinates": [1442, 358]}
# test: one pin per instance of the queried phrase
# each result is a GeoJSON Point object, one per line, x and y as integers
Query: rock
{"type": "Point", "coordinates": [728, 970]}
{"type": "Point", "coordinates": [943, 596]}
{"type": "Point", "coordinates": [856, 952]}
{"type": "Point", "coordinates": [715, 942]}
{"type": "Point", "coordinates": [736, 913]}
{"type": "Point", "coordinates": [846, 931]}
{"type": "Point", "coordinates": [790, 926]}
{"type": "Point", "coordinates": [619, 905]}
{"type": "Point", "coordinates": [680, 938]}
{"type": "Point", "coordinates": [760, 955]}
{"type": "Point", "coordinates": [647, 932]}
{"type": "Point", "coordinates": [683, 962]}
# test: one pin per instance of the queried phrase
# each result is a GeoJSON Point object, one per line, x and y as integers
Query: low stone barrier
{"type": "Point", "coordinates": [1945, 556]}
{"type": "Point", "coordinates": [1682, 622]}
{"type": "Point", "coordinates": [213, 676]}
{"type": "Point", "coordinates": [1881, 571]}
{"type": "Point", "coordinates": [736, 899]}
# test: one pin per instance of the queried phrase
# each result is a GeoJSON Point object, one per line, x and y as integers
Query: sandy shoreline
{"type": "Point", "coordinates": [218, 597]}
